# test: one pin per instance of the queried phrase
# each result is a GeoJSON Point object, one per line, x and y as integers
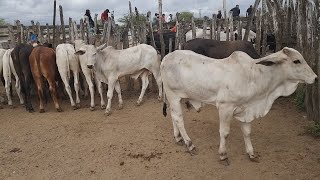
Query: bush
{"type": "Point", "coordinates": [313, 130]}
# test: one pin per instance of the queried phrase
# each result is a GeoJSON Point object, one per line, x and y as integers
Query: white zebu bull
{"type": "Point", "coordinates": [79, 44]}
{"type": "Point", "coordinates": [223, 35]}
{"type": "Point", "coordinates": [239, 86]}
{"type": "Point", "coordinates": [7, 68]}
{"type": "Point", "coordinates": [67, 61]}
{"type": "Point", "coordinates": [110, 64]}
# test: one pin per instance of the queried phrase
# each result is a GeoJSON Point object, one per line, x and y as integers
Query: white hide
{"type": "Point", "coordinates": [239, 86]}
{"type": "Point", "coordinates": [9, 69]}
{"type": "Point", "coordinates": [67, 61]}
{"type": "Point", "coordinates": [88, 73]}
{"type": "Point", "coordinates": [223, 35]}
{"type": "Point", "coordinates": [111, 64]}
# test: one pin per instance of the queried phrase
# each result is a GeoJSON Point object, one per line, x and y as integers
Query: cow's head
{"type": "Point", "coordinates": [89, 53]}
{"type": "Point", "coordinates": [292, 64]}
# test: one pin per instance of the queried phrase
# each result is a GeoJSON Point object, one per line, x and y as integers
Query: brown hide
{"type": "Point", "coordinates": [43, 64]}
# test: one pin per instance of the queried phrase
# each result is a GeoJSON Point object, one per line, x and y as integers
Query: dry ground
{"type": "Point", "coordinates": [137, 143]}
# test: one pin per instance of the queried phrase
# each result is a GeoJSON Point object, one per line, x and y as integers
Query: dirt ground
{"type": "Point", "coordinates": [137, 143]}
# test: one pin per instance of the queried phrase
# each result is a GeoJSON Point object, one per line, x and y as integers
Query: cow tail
{"type": "Point", "coordinates": [164, 108]}
{"type": "Point", "coordinates": [68, 64]}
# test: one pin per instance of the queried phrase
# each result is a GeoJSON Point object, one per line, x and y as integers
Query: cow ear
{"type": "Point", "coordinates": [80, 52]}
{"type": "Point", "coordinates": [266, 63]}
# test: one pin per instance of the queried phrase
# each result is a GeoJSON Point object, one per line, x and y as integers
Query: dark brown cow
{"type": "Point", "coordinates": [220, 49]}
{"type": "Point", "coordinates": [43, 64]}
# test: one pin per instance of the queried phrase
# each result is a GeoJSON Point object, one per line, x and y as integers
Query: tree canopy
{"type": "Point", "coordinates": [2, 22]}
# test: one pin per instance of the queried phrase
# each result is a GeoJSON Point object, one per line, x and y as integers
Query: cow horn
{"type": "Point", "coordinates": [102, 46]}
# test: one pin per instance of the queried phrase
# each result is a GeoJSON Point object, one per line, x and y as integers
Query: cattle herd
{"type": "Point", "coordinates": [230, 75]}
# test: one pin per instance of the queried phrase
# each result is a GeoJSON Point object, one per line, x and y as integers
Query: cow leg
{"type": "Point", "coordinates": [65, 80]}
{"type": "Point", "coordinates": [53, 92]}
{"type": "Point", "coordinates": [145, 83]}
{"type": "Point", "coordinates": [18, 89]}
{"type": "Point", "coordinates": [7, 87]}
{"type": "Point", "coordinates": [27, 89]}
{"type": "Point", "coordinates": [118, 90]}
{"type": "Point", "coordinates": [246, 130]}
{"type": "Point", "coordinates": [91, 89]}
{"type": "Point", "coordinates": [225, 116]}
{"type": "Point", "coordinates": [177, 118]}
{"type": "Point", "coordinates": [156, 74]}
{"type": "Point", "coordinates": [100, 90]}
{"type": "Point", "coordinates": [177, 135]}
{"type": "Point", "coordinates": [39, 83]}
{"type": "Point", "coordinates": [76, 88]}
{"type": "Point", "coordinates": [111, 84]}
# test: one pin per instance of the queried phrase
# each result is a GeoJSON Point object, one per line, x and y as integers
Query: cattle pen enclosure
{"type": "Point", "coordinates": [137, 142]}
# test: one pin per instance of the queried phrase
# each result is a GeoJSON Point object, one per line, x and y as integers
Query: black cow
{"type": "Point", "coordinates": [20, 56]}
{"type": "Point", "coordinates": [220, 49]}
{"type": "Point", "coordinates": [166, 37]}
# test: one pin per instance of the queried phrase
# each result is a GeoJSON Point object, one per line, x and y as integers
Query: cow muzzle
{"type": "Point", "coordinates": [90, 66]}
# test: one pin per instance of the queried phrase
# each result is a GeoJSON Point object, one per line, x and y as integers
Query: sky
{"type": "Point", "coordinates": [42, 10]}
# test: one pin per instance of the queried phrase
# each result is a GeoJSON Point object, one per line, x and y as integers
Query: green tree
{"type": "Point", "coordinates": [137, 20]}
{"type": "Point", "coordinates": [185, 16]}
{"type": "Point", "coordinates": [2, 22]}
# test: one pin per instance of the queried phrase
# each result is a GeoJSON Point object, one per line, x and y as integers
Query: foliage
{"type": "Point", "coordinates": [137, 20]}
{"type": "Point", "coordinates": [2, 22]}
{"type": "Point", "coordinates": [299, 97]}
{"type": "Point", "coordinates": [185, 16]}
{"type": "Point", "coordinates": [313, 130]}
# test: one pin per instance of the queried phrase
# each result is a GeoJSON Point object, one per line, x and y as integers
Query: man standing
{"type": "Point", "coordinates": [219, 15]}
{"type": "Point", "coordinates": [249, 11]}
{"type": "Point", "coordinates": [104, 16]}
{"type": "Point", "coordinates": [235, 11]}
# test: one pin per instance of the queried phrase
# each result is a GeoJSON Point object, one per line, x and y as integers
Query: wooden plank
{"type": "Point", "coordinates": [95, 23]}
{"type": "Point", "coordinates": [132, 29]}
{"type": "Point", "coordinates": [219, 30]}
{"type": "Point", "coordinates": [151, 30]}
{"type": "Point", "coordinates": [71, 32]}
{"type": "Point", "coordinates": [18, 24]}
{"type": "Point", "coordinates": [177, 38]}
{"type": "Point", "coordinates": [40, 38]}
{"type": "Point", "coordinates": [239, 27]}
{"type": "Point", "coordinates": [11, 35]}
{"type": "Point", "coordinates": [204, 31]}
{"type": "Point", "coordinates": [82, 29]}
{"type": "Point", "coordinates": [170, 45]}
{"type": "Point", "coordinates": [263, 23]}
{"type": "Point", "coordinates": [48, 33]}
{"type": "Point", "coordinates": [213, 34]}
{"type": "Point", "coordinates": [75, 30]}
{"type": "Point", "coordinates": [87, 29]}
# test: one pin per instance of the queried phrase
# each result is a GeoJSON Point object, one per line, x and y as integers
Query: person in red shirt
{"type": "Point", "coordinates": [104, 16]}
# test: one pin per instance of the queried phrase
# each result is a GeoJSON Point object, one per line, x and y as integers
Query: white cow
{"type": "Point", "coordinates": [7, 69]}
{"type": "Point", "coordinates": [239, 86]}
{"type": "Point", "coordinates": [79, 44]}
{"type": "Point", "coordinates": [67, 61]}
{"type": "Point", "coordinates": [111, 64]}
{"type": "Point", "coordinates": [223, 35]}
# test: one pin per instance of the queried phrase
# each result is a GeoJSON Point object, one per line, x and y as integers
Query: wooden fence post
{"type": "Point", "coordinates": [71, 33]}
{"type": "Point", "coordinates": [170, 45]}
{"type": "Point", "coordinates": [219, 29]}
{"type": "Point", "coordinates": [258, 29]}
{"type": "Point", "coordinates": [40, 38]}
{"type": "Point", "coordinates": [18, 24]}
{"type": "Point", "coordinates": [246, 35]}
{"type": "Point", "coordinates": [81, 29]}
{"type": "Point", "coordinates": [96, 28]}
{"type": "Point", "coordinates": [239, 27]}
{"type": "Point", "coordinates": [213, 34]}
{"type": "Point", "coordinates": [204, 32]}
{"type": "Point", "coordinates": [75, 30]}
{"type": "Point", "coordinates": [161, 31]}
{"type": "Point", "coordinates": [48, 33]}
{"type": "Point", "coordinates": [87, 28]}
{"type": "Point", "coordinates": [263, 23]}
{"type": "Point", "coordinates": [177, 40]}
{"type": "Point", "coordinates": [62, 25]}
{"type": "Point", "coordinates": [54, 23]}
{"type": "Point", "coordinates": [317, 37]}
{"type": "Point", "coordinates": [11, 35]}
{"type": "Point", "coordinates": [22, 34]}
{"type": "Point", "coordinates": [151, 30]}
{"type": "Point", "coordinates": [132, 26]}
{"type": "Point", "coordinates": [231, 26]}
{"type": "Point", "coordinates": [193, 28]}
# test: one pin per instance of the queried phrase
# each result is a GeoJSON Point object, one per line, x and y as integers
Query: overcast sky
{"type": "Point", "coordinates": [42, 10]}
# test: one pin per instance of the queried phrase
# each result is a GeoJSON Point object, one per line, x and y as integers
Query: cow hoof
{"type": "Point", "coordinates": [138, 103]}
{"type": "Point", "coordinates": [159, 98]}
{"type": "Point", "coordinates": [41, 111]}
{"type": "Point", "coordinates": [59, 110]}
{"type": "Point", "coordinates": [78, 105]}
{"type": "Point", "coordinates": [193, 151]}
{"type": "Point", "coordinates": [254, 158]}
{"type": "Point", "coordinates": [91, 108]}
{"type": "Point", "coordinates": [74, 107]}
{"type": "Point", "coordinates": [225, 162]}
{"type": "Point", "coordinates": [120, 106]}
{"type": "Point", "coordinates": [103, 107]}
{"type": "Point", "coordinates": [31, 110]}
{"type": "Point", "coordinates": [107, 113]}
{"type": "Point", "coordinates": [180, 142]}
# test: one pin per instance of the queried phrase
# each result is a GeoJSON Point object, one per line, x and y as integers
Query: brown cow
{"type": "Point", "coordinates": [43, 63]}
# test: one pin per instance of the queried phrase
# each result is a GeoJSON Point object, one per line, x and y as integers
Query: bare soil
{"type": "Point", "coordinates": [137, 143]}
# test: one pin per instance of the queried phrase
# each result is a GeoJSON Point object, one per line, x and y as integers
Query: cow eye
{"type": "Point", "coordinates": [297, 62]}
